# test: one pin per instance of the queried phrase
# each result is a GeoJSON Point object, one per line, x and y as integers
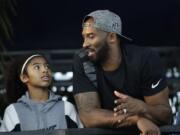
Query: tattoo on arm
{"type": "Point", "coordinates": [91, 113]}
{"type": "Point", "coordinates": [87, 101]}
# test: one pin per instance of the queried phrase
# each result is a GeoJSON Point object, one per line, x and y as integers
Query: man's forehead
{"type": "Point", "coordinates": [88, 28]}
{"type": "Point", "coordinates": [88, 24]}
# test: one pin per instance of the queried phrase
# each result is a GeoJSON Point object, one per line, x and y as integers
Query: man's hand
{"type": "Point", "coordinates": [120, 121]}
{"type": "Point", "coordinates": [127, 121]}
{"type": "Point", "coordinates": [128, 105]}
{"type": "Point", "coordinates": [147, 127]}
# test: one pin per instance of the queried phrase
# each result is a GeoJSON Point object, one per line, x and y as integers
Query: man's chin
{"type": "Point", "coordinates": [91, 58]}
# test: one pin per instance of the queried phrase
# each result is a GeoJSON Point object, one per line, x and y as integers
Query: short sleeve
{"type": "Point", "coordinates": [153, 78]}
{"type": "Point", "coordinates": [81, 82]}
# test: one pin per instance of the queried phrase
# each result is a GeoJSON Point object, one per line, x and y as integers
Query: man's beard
{"type": "Point", "coordinates": [102, 53]}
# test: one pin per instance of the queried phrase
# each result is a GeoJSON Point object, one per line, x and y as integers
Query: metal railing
{"type": "Point", "coordinates": [165, 130]}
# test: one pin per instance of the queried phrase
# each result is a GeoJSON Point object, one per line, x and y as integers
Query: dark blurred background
{"type": "Point", "coordinates": [54, 28]}
{"type": "Point", "coordinates": [56, 24]}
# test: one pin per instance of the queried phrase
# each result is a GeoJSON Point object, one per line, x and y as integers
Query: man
{"type": "Point", "coordinates": [117, 85]}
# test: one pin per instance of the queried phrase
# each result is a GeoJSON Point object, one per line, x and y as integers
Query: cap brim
{"type": "Point", "coordinates": [126, 38]}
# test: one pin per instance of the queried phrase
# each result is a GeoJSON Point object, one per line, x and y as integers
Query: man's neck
{"type": "Point", "coordinates": [114, 59]}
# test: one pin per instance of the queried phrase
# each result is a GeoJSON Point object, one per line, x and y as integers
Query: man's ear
{"type": "Point", "coordinates": [24, 78]}
{"type": "Point", "coordinates": [112, 37]}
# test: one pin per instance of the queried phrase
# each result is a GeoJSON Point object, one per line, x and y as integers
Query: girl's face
{"type": "Point", "coordinates": [38, 73]}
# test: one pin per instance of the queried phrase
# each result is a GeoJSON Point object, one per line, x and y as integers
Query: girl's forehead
{"type": "Point", "coordinates": [38, 59]}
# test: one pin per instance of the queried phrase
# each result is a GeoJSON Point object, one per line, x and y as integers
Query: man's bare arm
{"type": "Point", "coordinates": [158, 108]}
{"type": "Point", "coordinates": [90, 111]}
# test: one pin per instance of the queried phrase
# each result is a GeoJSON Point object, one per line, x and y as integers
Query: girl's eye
{"type": "Point", "coordinates": [37, 67]}
{"type": "Point", "coordinates": [47, 66]}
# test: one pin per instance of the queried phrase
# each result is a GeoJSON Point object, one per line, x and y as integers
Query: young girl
{"type": "Point", "coordinates": [33, 106]}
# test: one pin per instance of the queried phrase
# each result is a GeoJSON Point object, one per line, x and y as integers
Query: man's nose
{"type": "Point", "coordinates": [86, 44]}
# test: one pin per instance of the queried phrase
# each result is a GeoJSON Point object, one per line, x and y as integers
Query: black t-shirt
{"type": "Point", "coordinates": [139, 74]}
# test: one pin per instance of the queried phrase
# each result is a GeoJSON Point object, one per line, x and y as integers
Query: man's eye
{"type": "Point", "coordinates": [91, 36]}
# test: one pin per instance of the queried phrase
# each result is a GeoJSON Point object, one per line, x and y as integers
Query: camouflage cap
{"type": "Point", "coordinates": [107, 21]}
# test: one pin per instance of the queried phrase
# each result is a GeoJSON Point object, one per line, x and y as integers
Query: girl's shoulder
{"type": "Point", "coordinates": [10, 108]}
{"type": "Point", "coordinates": [68, 105]}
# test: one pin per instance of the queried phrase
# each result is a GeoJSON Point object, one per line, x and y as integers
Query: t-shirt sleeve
{"type": "Point", "coordinates": [81, 82]}
{"type": "Point", "coordinates": [153, 76]}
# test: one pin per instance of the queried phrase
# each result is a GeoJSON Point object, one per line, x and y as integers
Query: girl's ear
{"type": "Point", "coordinates": [24, 78]}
